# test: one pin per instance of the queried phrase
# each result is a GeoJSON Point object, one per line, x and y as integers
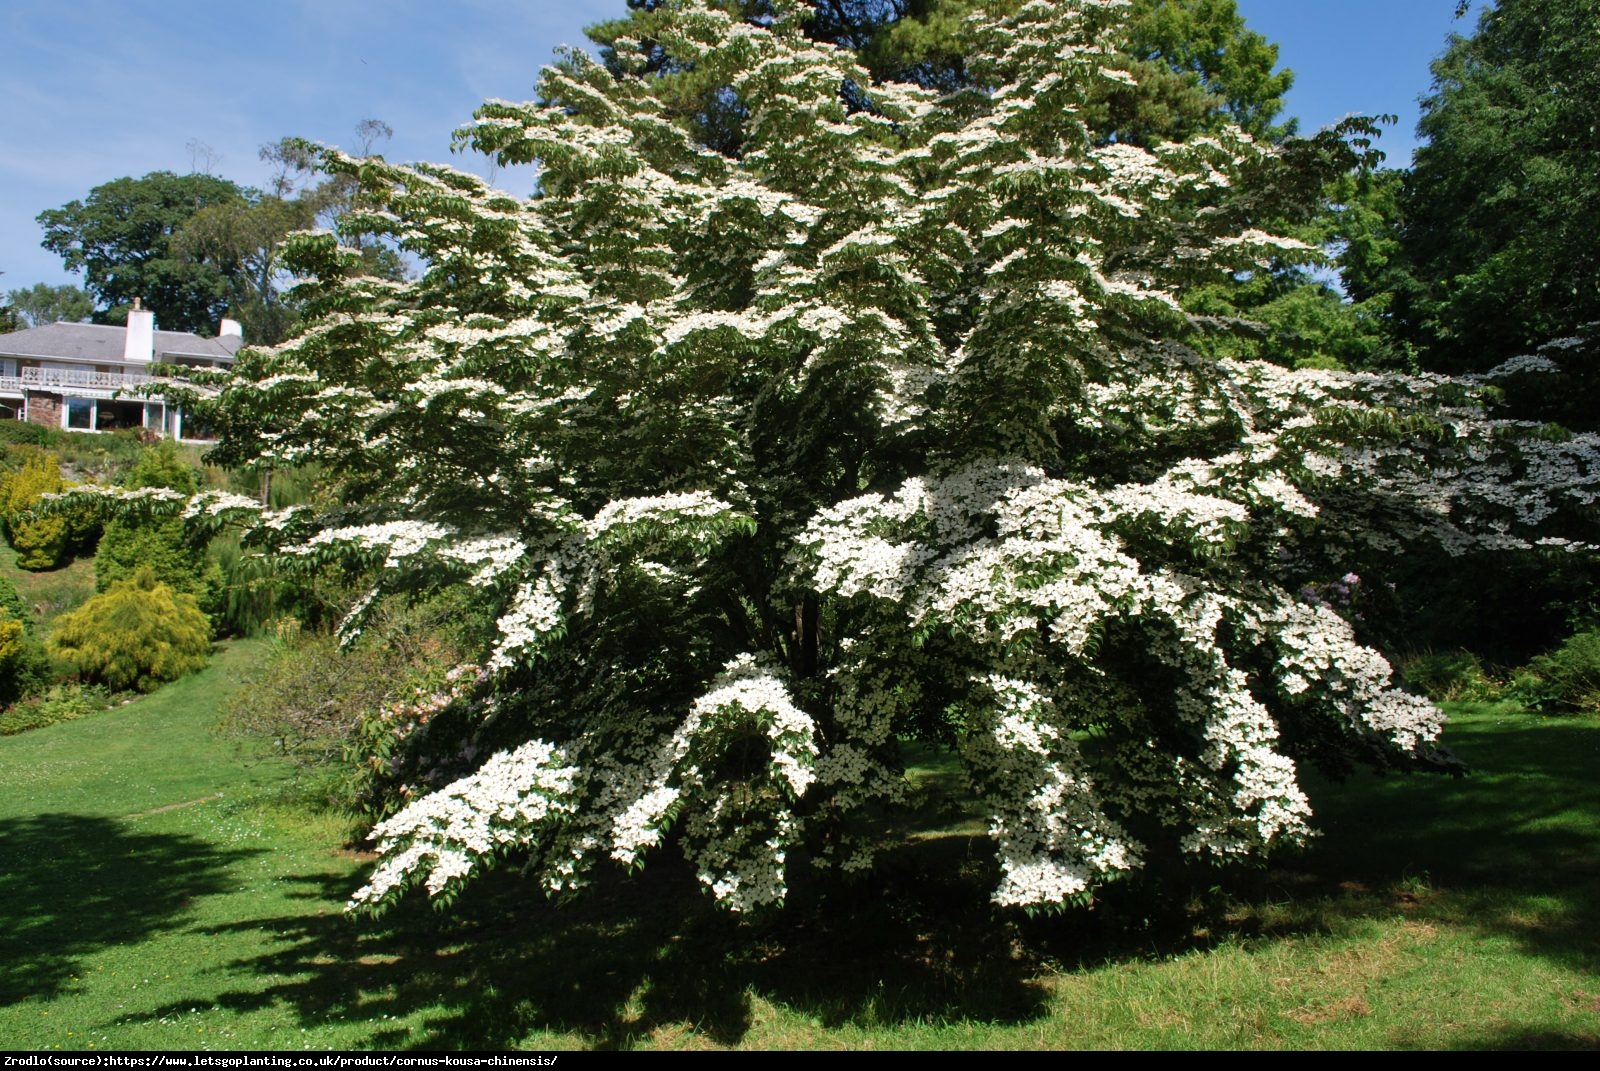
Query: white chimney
{"type": "Point", "coordinates": [230, 329]}
{"type": "Point", "coordinates": [139, 344]}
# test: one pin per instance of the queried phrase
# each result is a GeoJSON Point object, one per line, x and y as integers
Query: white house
{"type": "Point", "coordinates": [78, 376]}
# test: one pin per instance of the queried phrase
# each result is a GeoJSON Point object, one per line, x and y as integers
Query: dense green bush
{"type": "Point", "coordinates": [162, 546]}
{"type": "Point", "coordinates": [1567, 678]}
{"type": "Point", "coordinates": [1451, 675]}
{"type": "Point", "coordinates": [40, 542]}
{"type": "Point", "coordinates": [11, 603]}
{"type": "Point", "coordinates": [24, 667]}
{"type": "Point", "coordinates": [138, 634]}
{"type": "Point", "coordinates": [19, 431]}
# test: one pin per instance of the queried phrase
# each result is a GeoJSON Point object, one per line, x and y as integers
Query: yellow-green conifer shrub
{"type": "Point", "coordinates": [138, 634]}
{"type": "Point", "coordinates": [12, 633]}
{"type": "Point", "coordinates": [39, 542]}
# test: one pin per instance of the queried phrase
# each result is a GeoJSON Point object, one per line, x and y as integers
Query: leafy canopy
{"type": "Point", "coordinates": [1497, 250]}
{"type": "Point", "coordinates": [45, 304]}
{"type": "Point", "coordinates": [121, 238]}
{"type": "Point", "coordinates": [883, 427]}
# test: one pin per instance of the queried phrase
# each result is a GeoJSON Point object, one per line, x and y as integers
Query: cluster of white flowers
{"type": "Point", "coordinates": [219, 503]}
{"type": "Point", "coordinates": [1055, 841]}
{"type": "Point", "coordinates": [534, 614]}
{"type": "Point", "coordinates": [736, 833]}
{"type": "Point", "coordinates": [402, 539]}
{"type": "Point", "coordinates": [494, 556]}
{"type": "Point", "coordinates": [447, 834]}
{"type": "Point", "coordinates": [1202, 518]}
{"type": "Point", "coordinates": [657, 508]}
{"type": "Point", "coordinates": [1319, 648]}
{"type": "Point", "coordinates": [749, 688]}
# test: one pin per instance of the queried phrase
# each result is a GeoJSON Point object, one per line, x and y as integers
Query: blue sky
{"type": "Point", "coordinates": [98, 89]}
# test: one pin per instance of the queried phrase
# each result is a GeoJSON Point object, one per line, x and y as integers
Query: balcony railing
{"type": "Point", "coordinates": [78, 377]}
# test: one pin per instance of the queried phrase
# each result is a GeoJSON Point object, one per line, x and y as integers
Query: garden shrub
{"type": "Point", "coordinates": [11, 603]}
{"type": "Point", "coordinates": [63, 702]}
{"type": "Point", "coordinates": [40, 542]}
{"type": "Point", "coordinates": [136, 635]}
{"type": "Point", "coordinates": [343, 714]}
{"type": "Point", "coordinates": [1450, 675]}
{"type": "Point", "coordinates": [24, 433]}
{"type": "Point", "coordinates": [160, 545]}
{"type": "Point", "coordinates": [24, 668]}
{"type": "Point", "coordinates": [1567, 678]}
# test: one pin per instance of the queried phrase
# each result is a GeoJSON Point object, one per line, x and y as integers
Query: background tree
{"type": "Point", "coordinates": [243, 241]}
{"type": "Point", "coordinates": [121, 238]}
{"type": "Point", "coordinates": [10, 319]}
{"type": "Point", "coordinates": [45, 304]}
{"type": "Point", "coordinates": [1296, 309]}
{"type": "Point", "coordinates": [332, 201]}
{"type": "Point", "coordinates": [1194, 63]}
{"type": "Point", "coordinates": [1496, 250]}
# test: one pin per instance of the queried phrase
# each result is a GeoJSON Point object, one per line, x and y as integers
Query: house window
{"type": "Point", "coordinates": [80, 414]}
{"type": "Point", "coordinates": [191, 428]}
{"type": "Point", "coordinates": [109, 416]}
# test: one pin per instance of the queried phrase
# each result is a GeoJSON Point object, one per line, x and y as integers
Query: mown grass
{"type": "Point", "coordinates": [161, 889]}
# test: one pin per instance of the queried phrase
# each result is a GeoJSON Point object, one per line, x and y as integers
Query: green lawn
{"type": "Point", "coordinates": [159, 891]}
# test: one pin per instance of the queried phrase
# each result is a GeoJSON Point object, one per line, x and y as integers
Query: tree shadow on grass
{"type": "Point", "coordinates": [71, 885]}
{"type": "Point", "coordinates": [638, 956]}
{"type": "Point", "coordinates": [1513, 1040]}
{"type": "Point", "coordinates": [918, 941]}
{"type": "Point", "coordinates": [1514, 846]}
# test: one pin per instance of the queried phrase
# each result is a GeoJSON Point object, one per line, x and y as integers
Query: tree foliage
{"type": "Point", "coordinates": [1193, 64]}
{"type": "Point", "coordinates": [121, 237]}
{"type": "Point", "coordinates": [136, 635]}
{"type": "Point", "coordinates": [45, 304]}
{"type": "Point", "coordinates": [329, 200]}
{"type": "Point", "coordinates": [243, 242]}
{"type": "Point", "coordinates": [884, 428]}
{"type": "Point", "coordinates": [1496, 249]}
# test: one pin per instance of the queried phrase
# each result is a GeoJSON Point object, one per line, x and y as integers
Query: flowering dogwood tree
{"type": "Point", "coordinates": [884, 429]}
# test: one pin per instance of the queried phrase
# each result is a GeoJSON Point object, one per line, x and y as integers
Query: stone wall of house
{"type": "Point", "coordinates": [44, 409]}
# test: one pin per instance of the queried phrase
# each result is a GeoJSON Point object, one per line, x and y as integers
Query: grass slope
{"type": "Point", "coordinates": [51, 593]}
{"type": "Point", "coordinates": [156, 894]}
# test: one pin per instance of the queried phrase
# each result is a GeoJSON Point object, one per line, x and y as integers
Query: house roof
{"type": "Point", "coordinates": [99, 342]}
